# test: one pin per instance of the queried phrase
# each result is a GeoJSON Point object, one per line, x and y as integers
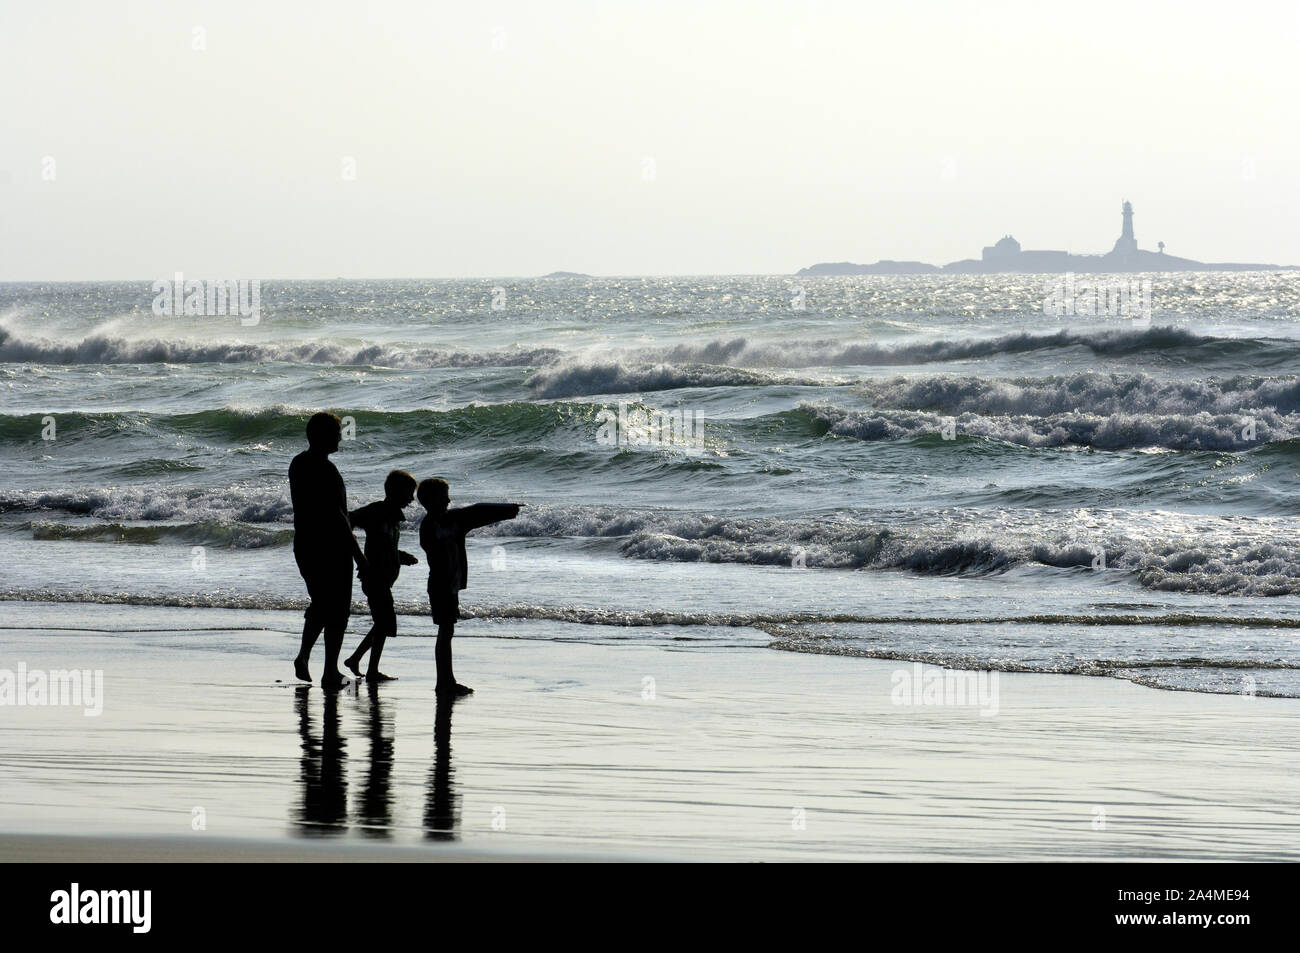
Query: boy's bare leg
{"type": "Point", "coordinates": [385, 625]}
{"type": "Point", "coordinates": [385, 617]}
{"type": "Point", "coordinates": [377, 649]}
{"type": "Point", "coordinates": [447, 684]}
{"type": "Point", "coordinates": [353, 661]}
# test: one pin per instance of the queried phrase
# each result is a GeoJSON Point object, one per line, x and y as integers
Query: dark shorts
{"type": "Point", "coordinates": [445, 607]}
{"type": "Point", "coordinates": [382, 611]}
{"type": "Point", "coordinates": [329, 585]}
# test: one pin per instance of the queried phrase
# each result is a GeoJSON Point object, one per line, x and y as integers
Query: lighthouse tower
{"type": "Point", "coordinates": [1126, 244]}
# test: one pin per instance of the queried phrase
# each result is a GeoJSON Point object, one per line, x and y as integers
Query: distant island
{"type": "Point", "coordinates": [566, 274]}
{"type": "Point", "coordinates": [1006, 256]}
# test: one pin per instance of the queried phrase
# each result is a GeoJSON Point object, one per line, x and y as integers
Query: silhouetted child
{"type": "Point", "coordinates": [442, 536]}
{"type": "Point", "coordinates": [382, 522]}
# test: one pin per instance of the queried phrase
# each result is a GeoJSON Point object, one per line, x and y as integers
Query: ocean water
{"type": "Point", "coordinates": [925, 468]}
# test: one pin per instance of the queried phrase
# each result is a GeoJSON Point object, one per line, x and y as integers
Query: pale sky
{"type": "Point", "coordinates": [628, 138]}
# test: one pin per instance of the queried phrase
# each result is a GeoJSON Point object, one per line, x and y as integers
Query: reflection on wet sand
{"type": "Point", "coordinates": [322, 809]}
{"type": "Point", "coordinates": [324, 806]}
{"type": "Point", "coordinates": [441, 816]}
{"type": "Point", "coordinates": [375, 816]}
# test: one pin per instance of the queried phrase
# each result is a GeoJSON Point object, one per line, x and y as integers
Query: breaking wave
{"type": "Point", "coordinates": [614, 377]}
{"type": "Point", "coordinates": [981, 409]}
{"type": "Point", "coordinates": [97, 349]}
{"type": "Point", "coordinates": [1163, 344]}
{"type": "Point", "coordinates": [1174, 344]}
{"type": "Point", "coordinates": [1261, 560]}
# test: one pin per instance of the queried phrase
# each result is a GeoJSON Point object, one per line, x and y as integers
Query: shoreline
{"type": "Point", "coordinates": [800, 631]}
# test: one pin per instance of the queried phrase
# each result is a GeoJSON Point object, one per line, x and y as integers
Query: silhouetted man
{"type": "Point", "coordinates": [323, 546]}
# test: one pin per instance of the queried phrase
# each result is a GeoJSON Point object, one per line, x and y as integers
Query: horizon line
{"type": "Point", "coordinates": [1262, 268]}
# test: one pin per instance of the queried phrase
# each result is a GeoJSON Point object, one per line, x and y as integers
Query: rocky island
{"type": "Point", "coordinates": [1007, 257]}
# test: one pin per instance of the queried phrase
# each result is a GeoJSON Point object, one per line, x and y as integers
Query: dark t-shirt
{"type": "Point", "coordinates": [443, 540]}
{"type": "Point", "coordinates": [320, 506]}
{"type": "Point", "coordinates": [382, 522]}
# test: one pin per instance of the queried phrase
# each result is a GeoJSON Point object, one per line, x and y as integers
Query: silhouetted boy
{"type": "Point", "coordinates": [442, 536]}
{"type": "Point", "coordinates": [323, 546]}
{"type": "Point", "coordinates": [382, 521]}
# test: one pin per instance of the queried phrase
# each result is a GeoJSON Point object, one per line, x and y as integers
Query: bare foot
{"type": "Point", "coordinates": [332, 683]}
{"type": "Point", "coordinates": [456, 690]}
{"type": "Point", "coordinates": [373, 677]}
{"type": "Point", "coordinates": [353, 666]}
{"type": "Point", "coordinates": [300, 670]}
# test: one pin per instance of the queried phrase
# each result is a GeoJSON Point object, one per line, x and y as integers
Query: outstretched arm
{"type": "Point", "coordinates": [484, 514]}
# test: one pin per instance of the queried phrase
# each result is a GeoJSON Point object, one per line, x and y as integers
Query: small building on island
{"type": "Point", "coordinates": [1005, 247]}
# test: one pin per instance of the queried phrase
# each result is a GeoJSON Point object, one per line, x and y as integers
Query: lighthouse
{"type": "Point", "coordinates": [1126, 244]}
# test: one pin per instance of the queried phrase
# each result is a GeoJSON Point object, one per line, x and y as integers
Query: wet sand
{"type": "Point", "coordinates": [680, 750]}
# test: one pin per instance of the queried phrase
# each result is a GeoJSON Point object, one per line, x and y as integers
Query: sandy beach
{"type": "Point", "coordinates": [204, 751]}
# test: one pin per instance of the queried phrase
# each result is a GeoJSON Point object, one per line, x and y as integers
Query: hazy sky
{"type": "Point", "coordinates": [640, 137]}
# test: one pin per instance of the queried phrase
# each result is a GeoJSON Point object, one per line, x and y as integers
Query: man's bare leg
{"type": "Point", "coordinates": [332, 677]}
{"type": "Point", "coordinates": [311, 631]}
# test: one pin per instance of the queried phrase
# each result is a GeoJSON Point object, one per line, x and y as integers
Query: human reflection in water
{"type": "Point", "coordinates": [376, 812]}
{"type": "Point", "coordinates": [441, 815]}
{"type": "Point", "coordinates": [324, 808]}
